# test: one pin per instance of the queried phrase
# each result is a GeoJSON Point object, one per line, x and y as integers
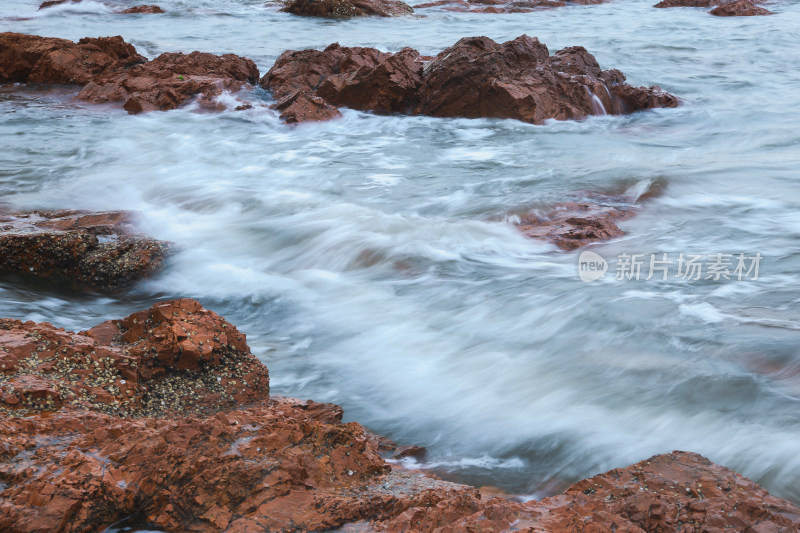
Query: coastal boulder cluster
{"type": "Point", "coordinates": [476, 77]}
{"type": "Point", "coordinates": [164, 418]}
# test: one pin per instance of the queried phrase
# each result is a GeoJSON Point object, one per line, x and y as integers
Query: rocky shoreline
{"type": "Point", "coordinates": [476, 77]}
{"type": "Point", "coordinates": [165, 416]}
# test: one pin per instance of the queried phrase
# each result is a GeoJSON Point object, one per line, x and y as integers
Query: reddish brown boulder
{"type": "Point", "coordinates": [739, 8]}
{"type": "Point", "coordinates": [348, 8]}
{"type": "Point", "coordinates": [51, 3]}
{"type": "Point", "coordinates": [89, 250]}
{"type": "Point", "coordinates": [143, 9]}
{"type": "Point", "coordinates": [176, 357]}
{"type": "Point", "coordinates": [675, 492]}
{"type": "Point", "coordinates": [590, 218]}
{"type": "Point", "coordinates": [302, 106]}
{"type": "Point", "coordinates": [171, 80]}
{"type": "Point", "coordinates": [34, 59]}
{"type": "Point", "coordinates": [476, 77]}
{"type": "Point", "coordinates": [112, 71]}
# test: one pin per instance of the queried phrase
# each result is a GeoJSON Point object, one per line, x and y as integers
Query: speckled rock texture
{"type": "Point", "coordinates": [89, 250]}
{"type": "Point", "coordinates": [176, 357]}
{"type": "Point", "coordinates": [164, 416]}
{"type": "Point", "coordinates": [149, 8]}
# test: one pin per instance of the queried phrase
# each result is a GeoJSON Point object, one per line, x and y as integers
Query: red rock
{"type": "Point", "coordinates": [51, 3]}
{"type": "Point", "coordinates": [112, 71]}
{"type": "Point", "coordinates": [143, 9]}
{"type": "Point", "coordinates": [34, 59]}
{"type": "Point", "coordinates": [171, 80]}
{"type": "Point", "coordinates": [416, 452]}
{"type": "Point", "coordinates": [348, 8]}
{"type": "Point", "coordinates": [474, 78]}
{"type": "Point", "coordinates": [739, 8]}
{"type": "Point", "coordinates": [89, 250]}
{"type": "Point", "coordinates": [301, 106]}
{"type": "Point", "coordinates": [210, 460]}
{"type": "Point", "coordinates": [592, 218]}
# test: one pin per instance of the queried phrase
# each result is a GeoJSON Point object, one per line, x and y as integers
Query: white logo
{"type": "Point", "coordinates": [591, 266]}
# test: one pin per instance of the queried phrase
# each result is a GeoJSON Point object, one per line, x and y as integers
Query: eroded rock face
{"type": "Point", "coordinates": [476, 77]}
{"type": "Point", "coordinates": [687, 3]}
{"type": "Point", "coordinates": [111, 71]}
{"type": "Point", "coordinates": [502, 6]}
{"type": "Point", "coordinates": [34, 59]}
{"type": "Point", "coordinates": [89, 250]}
{"type": "Point", "coordinates": [739, 8]}
{"type": "Point", "coordinates": [171, 80]}
{"type": "Point", "coordinates": [165, 416]}
{"type": "Point", "coordinates": [348, 8]}
{"type": "Point", "coordinates": [675, 492]}
{"type": "Point", "coordinates": [143, 9]}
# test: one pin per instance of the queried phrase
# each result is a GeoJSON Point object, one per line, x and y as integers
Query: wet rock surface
{"type": "Point", "coordinates": [348, 8]}
{"type": "Point", "coordinates": [502, 6]}
{"type": "Point", "coordinates": [476, 77]}
{"type": "Point", "coordinates": [89, 250]}
{"type": "Point", "coordinates": [119, 421]}
{"type": "Point", "coordinates": [143, 9]}
{"type": "Point", "coordinates": [573, 224]}
{"type": "Point", "coordinates": [112, 72]}
{"type": "Point", "coordinates": [722, 8]}
{"type": "Point", "coordinates": [34, 59]}
{"type": "Point", "coordinates": [740, 8]}
{"type": "Point", "coordinates": [171, 80]}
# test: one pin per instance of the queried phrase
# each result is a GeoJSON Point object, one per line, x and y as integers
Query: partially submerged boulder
{"type": "Point", "coordinates": [739, 8]}
{"type": "Point", "coordinates": [348, 8]}
{"type": "Point", "coordinates": [91, 250]}
{"type": "Point", "coordinates": [111, 71]}
{"type": "Point", "coordinates": [476, 77]}
{"type": "Point", "coordinates": [150, 8]}
{"type": "Point", "coordinates": [171, 80]}
{"type": "Point", "coordinates": [722, 8]}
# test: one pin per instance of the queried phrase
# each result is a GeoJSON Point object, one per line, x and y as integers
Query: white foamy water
{"type": "Point", "coordinates": [370, 263]}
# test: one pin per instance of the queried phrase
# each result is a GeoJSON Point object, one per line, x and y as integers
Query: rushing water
{"type": "Point", "coordinates": [369, 262]}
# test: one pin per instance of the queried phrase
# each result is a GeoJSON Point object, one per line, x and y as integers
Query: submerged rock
{"type": "Point", "coordinates": [143, 9]}
{"type": "Point", "coordinates": [348, 8]}
{"type": "Point", "coordinates": [89, 250]}
{"type": "Point", "coordinates": [476, 77]}
{"type": "Point", "coordinates": [164, 416]}
{"type": "Point", "coordinates": [111, 71]}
